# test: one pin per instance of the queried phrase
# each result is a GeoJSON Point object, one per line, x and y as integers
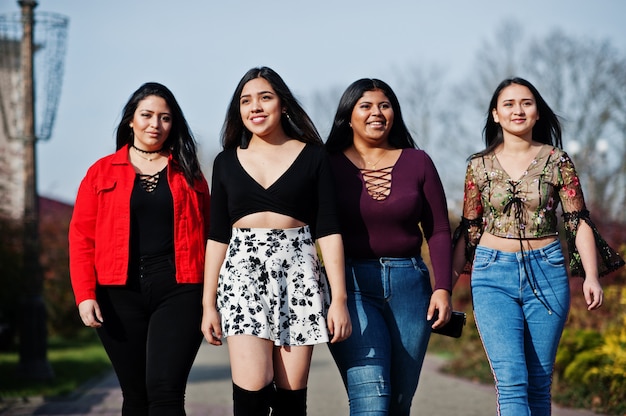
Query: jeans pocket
{"type": "Point", "coordinates": [554, 258]}
{"type": "Point", "coordinates": [421, 267]}
{"type": "Point", "coordinates": [483, 259]}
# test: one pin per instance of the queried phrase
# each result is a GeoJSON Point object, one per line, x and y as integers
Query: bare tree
{"type": "Point", "coordinates": [461, 108]}
{"type": "Point", "coordinates": [583, 80]}
{"type": "Point", "coordinates": [499, 57]}
{"type": "Point", "coordinates": [420, 90]}
{"type": "Point", "coordinates": [322, 106]}
{"type": "Point", "coordinates": [422, 95]}
{"type": "Point", "coordinates": [425, 102]}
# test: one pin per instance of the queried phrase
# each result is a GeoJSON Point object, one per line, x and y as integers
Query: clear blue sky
{"type": "Point", "coordinates": [201, 48]}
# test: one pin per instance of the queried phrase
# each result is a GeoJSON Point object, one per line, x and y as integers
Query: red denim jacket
{"type": "Point", "coordinates": [99, 234]}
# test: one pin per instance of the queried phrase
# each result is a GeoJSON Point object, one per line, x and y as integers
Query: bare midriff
{"type": "Point", "coordinates": [513, 244]}
{"type": "Point", "coordinates": [268, 219]}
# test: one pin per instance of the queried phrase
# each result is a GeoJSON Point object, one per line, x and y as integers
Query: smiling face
{"type": "Point", "coordinates": [260, 108]}
{"type": "Point", "coordinates": [372, 118]}
{"type": "Point", "coordinates": [516, 111]}
{"type": "Point", "coordinates": [151, 123]}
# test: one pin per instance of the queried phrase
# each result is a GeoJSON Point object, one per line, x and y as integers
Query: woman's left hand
{"type": "Point", "coordinates": [593, 293]}
{"type": "Point", "coordinates": [338, 321]}
{"type": "Point", "coordinates": [440, 306]}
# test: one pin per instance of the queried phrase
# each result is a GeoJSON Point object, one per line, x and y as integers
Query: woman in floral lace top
{"type": "Point", "coordinates": [519, 279]}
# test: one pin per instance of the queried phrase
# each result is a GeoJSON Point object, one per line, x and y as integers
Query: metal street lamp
{"type": "Point", "coordinates": [32, 322]}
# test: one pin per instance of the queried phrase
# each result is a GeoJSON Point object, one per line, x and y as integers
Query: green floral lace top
{"type": "Point", "coordinates": [527, 207]}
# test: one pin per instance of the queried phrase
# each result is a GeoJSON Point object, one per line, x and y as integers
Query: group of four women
{"type": "Point", "coordinates": [310, 243]}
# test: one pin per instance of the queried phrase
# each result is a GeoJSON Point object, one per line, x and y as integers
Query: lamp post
{"type": "Point", "coordinates": [33, 362]}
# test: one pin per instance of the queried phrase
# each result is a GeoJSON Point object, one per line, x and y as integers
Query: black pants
{"type": "Point", "coordinates": [151, 333]}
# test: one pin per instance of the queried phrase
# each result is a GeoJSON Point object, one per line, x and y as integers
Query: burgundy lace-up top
{"type": "Point", "coordinates": [383, 212]}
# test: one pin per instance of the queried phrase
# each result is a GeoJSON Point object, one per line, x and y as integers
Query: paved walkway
{"type": "Point", "coordinates": [209, 392]}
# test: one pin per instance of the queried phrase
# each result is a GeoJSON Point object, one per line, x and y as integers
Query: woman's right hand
{"type": "Point", "coordinates": [211, 326]}
{"type": "Point", "coordinates": [90, 313]}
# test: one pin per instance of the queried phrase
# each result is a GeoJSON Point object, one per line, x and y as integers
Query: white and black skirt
{"type": "Point", "coordinates": [272, 286]}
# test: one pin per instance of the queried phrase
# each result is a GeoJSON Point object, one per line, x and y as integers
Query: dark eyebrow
{"type": "Point", "coordinates": [259, 93]}
{"type": "Point", "coordinates": [522, 99]}
{"type": "Point", "coordinates": [372, 103]}
{"type": "Point", "coordinates": [145, 110]}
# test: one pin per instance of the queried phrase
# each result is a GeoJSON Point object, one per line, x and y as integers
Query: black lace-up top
{"type": "Point", "coordinates": [152, 215]}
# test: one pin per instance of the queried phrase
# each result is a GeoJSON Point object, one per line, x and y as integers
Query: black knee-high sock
{"type": "Point", "coordinates": [252, 403]}
{"type": "Point", "coordinates": [289, 402]}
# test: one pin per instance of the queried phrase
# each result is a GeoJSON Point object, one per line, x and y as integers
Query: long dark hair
{"type": "Point", "coordinates": [546, 130]}
{"type": "Point", "coordinates": [234, 133]}
{"type": "Point", "coordinates": [340, 137]}
{"type": "Point", "coordinates": [180, 141]}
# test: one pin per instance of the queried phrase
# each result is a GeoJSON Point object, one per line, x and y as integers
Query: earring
{"type": "Point", "coordinates": [293, 126]}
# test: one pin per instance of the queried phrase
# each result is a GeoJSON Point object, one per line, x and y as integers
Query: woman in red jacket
{"type": "Point", "coordinates": [137, 240]}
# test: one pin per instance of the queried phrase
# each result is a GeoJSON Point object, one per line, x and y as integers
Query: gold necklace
{"type": "Point", "coordinates": [149, 158]}
{"type": "Point", "coordinates": [373, 165]}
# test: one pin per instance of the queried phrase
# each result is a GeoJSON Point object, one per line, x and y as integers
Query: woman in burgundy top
{"type": "Point", "coordinates": [390, 199]}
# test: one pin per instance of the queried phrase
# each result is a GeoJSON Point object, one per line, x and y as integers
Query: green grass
{"type": "Point", "coordinates": [73, 362]}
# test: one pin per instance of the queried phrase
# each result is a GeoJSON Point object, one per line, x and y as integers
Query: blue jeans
{"type": "Point", "coordinates": [520, 329]}
{"type": "Point", "coordinates": [380, 362]}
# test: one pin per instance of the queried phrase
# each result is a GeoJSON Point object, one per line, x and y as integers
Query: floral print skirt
{"type": "Point", "coordinates": [272, 285]}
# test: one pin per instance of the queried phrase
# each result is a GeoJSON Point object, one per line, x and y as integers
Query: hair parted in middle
{"type": "Point", "coordinates": [300, 127]}
{"type": "Point", "coordinates": [340, 137]}
{"type": "Point", "coordinates": [180, 142]}
{"type": "Point", "coordinates": [547, 129]}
